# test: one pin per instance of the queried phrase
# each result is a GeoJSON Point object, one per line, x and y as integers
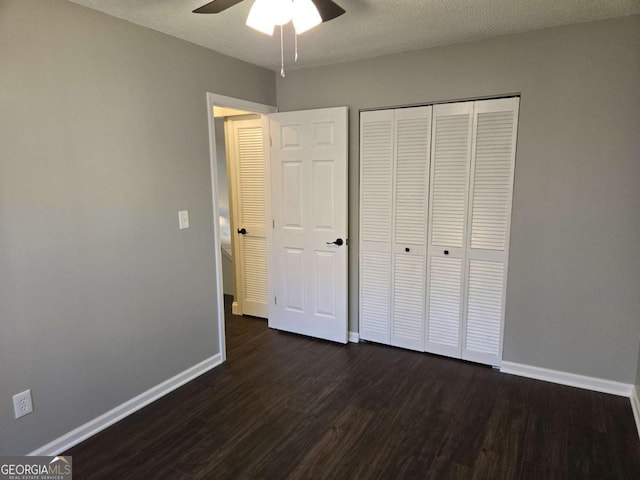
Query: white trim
{"type": "Point", "coordinates": [230, 102]}
{"type": "Point", "coordinates": [217, 242]}
{"type": "Point", "coordinates": [270, 220]}
{"type": "Point", "coordinates": [635, 406]}
{"type": "Point", "coordinates": [566, 378]}
{"type": "Point", "coordinates": [354, 337]}
{"type": "Point", "coordinates": [68, 440]}
{"type": "Point", "coordinates": [223, 101]}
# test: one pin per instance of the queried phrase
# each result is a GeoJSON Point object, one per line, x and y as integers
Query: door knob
{"type": "Point", "coordinates": [242, 231]}
{"type": "Point", "coordinates": [337, 242]}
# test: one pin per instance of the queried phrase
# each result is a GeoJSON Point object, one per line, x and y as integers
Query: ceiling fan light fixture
{"type": "Point", "coordinates": [305, 16]}
{"type": "Point", "coordinates": [261, 17]}
{"type": "Point", "coordinates": [281, 11]}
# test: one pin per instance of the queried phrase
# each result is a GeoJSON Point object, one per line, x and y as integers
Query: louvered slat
{"type": "Point", "coordinates": [484, 307]}
{"type": "Point", "coordinates": [492, 180]}
{"type": "Point", "coordinates": [450, 176]}
{"type": "Point", "coordinates": [412, 166]}
{"type": "Point", "coordinates": [444, 301]}
{"type": "Point", "coordinates": [252, 174]}
{"type": "Point", "coordinates": [408, 301]}
{"type": "Point", "coordinates": [374, 295]}
{"type": "Point", "coordinates": [376, 186]}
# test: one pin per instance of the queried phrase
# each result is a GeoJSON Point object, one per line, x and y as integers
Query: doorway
{"type": "Point", "coordinates": [304, 220]}
{"type": "Point", "coordinates": [227, 116]}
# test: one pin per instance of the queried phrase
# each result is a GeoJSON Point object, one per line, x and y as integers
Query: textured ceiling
{"type": "Point", "coordinates": [369, 28]}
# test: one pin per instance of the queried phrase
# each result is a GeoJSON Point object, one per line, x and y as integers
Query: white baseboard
{"type": "Point", "coordinates": [354, 337]}
{"type": "Point", "coordinates": [68, 440]}
{"type": "Point", "coordinates": [235, 309]}
{"type": "Point", "coordinates": [635, 406]}
{"type": "Point", "coordinates": [570, 379]}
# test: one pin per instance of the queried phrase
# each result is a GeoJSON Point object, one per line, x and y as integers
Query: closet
{"type": "Point", "coordinates": [436, 185]}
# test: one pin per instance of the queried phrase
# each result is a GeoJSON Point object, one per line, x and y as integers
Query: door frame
{"type": "Point", "coordinates": [214, 100]}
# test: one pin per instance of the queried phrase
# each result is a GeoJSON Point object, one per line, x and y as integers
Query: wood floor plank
{"type": "Point", "coordinates": [546, 443]}
{"type": "Point", "coordinates": [333, 450]}
{"type": "Point", "coordinates": [501, 452]}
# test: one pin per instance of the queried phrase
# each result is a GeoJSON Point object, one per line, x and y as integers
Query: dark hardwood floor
{"type": "Point", "coordinates": [286, 406]}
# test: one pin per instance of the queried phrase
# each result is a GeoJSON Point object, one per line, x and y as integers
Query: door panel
{"type": "Point", "coordinates": [411, 187]}
{"type": "Point", "coordinates": [484, 306]}
{"type": "Point", "coordinates": [377, 132]}
{"type": "Point", "coordinates": [450, 176]}
{"type": "Point", "coordinates": [375, 295]}
{"type": "Point", "coordinates": [294, 298]}
{"type": "Point", "coordinates": [255, 275]}
{"type": "Point", "coordinates": [408, 301]}
{"type": "Point", "coordinates": [450, 158]}
{"type": "Point", "coordinates": [413, 132]}
{"type": "Point", "coordinates": [377, 146]}
{"type": "Point", "coordinates": [246, 158]}
{"type": "Point", "coordinates": [324, 281]}
{"type": "Point", "coordinates": [309, 202]}
{"type": "Point", "coordinates": [492, 170]}
{"type": "Point", "coordinates": [445, 304]}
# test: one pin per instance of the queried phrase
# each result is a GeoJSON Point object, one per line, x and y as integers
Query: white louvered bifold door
{"type": "Point", "coordinates": [376, 213]}
{"type": "Point", "coordinates": [491, 187]}
{"type": "Point", "coordinates": [450, 161]}
{"type": "Point", "coordinates": [411, 182]}
{"type": "Point", "coordinates": [246, 152]}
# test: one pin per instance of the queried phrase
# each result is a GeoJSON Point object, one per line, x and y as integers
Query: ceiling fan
{"type": "Point", "coordinates": [327, 9]}
{"type": "Point", "coordinates": [265, 15]}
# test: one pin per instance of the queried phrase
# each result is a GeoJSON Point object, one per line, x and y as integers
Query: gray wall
{"type": "Point", "coordinates": [572, 299]}
{"type": "Point", "coordinates": [103, 138]}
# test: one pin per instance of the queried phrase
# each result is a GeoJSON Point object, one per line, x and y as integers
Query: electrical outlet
{"type": "Point", "coordinates": [22, 403]}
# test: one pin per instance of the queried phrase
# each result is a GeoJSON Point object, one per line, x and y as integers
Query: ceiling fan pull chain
{"type": "Point", "coordinates": [295, 58]}
{"type": "Point", "coordinates": [281, 53]}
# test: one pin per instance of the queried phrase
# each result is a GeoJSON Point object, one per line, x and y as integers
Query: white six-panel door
{"type": "Point", "coordinates": [309, 205]}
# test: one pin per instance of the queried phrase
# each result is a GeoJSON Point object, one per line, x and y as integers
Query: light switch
{"type": "Point", "coordinates": [183, 219]}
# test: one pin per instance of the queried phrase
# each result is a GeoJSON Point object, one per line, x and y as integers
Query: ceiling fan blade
{"type": "Point", "coordinates": [217, 6]}
{"type": "Point", "coordinates": [328, 9]}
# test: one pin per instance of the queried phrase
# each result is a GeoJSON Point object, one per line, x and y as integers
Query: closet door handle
{"type": "Point", "coordinates": [242, 231]}
{"type": "Point", "coordinates": [446, 252]}
{"type": "Point", "coordinates": [339, 242]}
